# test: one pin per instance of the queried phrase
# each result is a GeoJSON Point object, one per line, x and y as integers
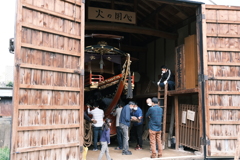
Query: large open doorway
{"type": "Point", "coordinates": [159, 33]}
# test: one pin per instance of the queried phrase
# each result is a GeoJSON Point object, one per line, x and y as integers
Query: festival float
{"type": "Point", "coordinates": [108, 80]}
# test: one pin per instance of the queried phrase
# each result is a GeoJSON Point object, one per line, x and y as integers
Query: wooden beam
{"type": "Point", "coordinates": [128, 48]}
{"type": "Point", "coordinates": [73, 2]}
{"type": "Point", "coordinates": [22, 107]}
{"type": "Point", "coordinates": [135, 9]}
{"type": "Point", "coordinates": [129, 29]}
{"type": "Point", "coordinates": [29, 6]}
{"type": "Point", "coordinates": [225, 122]}
{"type": "Point", "coordinates": [224, 107]}
{"type": "Point", "coordinates": [47, 68]}
{"type": "Point", "coordinates": [49, 49]}
{"type": "Point", "coordinates": [53, 126]}
{"type": "Point", "coordinates": [179, 3]}
{"type": "Point", "coordinates": [26, 25]}
{"type": "Point", "coordinates": [118, 3]}
{"type": "Point", "coordinates": [224, 78]}
{"type": "Point", "coordinates": [224, 49]}
{"type": "Point", "coordinates": [176, 122]}
{"type": "Point", "coordinates": [223, 137]}
{"type": "Point", "coordinates": [186, 22]}
{"type": "Point", "coordinates": [47, 147]}
{"type": "Point", "coordinates": [222, 21]}
{"type": "Point", "coordinates": [223, 35]}
{"type": "Point", "coordinates": [55, 88]}
{"type": "Point", "coordinates": [152, 14]}
{"type": "Point", "coordinates": [180, 10]}
{"type": "Point", "coordinates": [224, 92]}
{"type": "Point", "coordinates": [221, 7]}
{"type": "Point", "coordinates": [223, 64]}
{"type": "Point", "coordinates": [183, 91]}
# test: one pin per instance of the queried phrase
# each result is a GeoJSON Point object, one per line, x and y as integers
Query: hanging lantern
{"type": "Point", "coordinates": [101, 63]}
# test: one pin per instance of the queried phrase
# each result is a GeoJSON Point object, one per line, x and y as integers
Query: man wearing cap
{"type": "Point", "coordinates": [166, 77]}
{"type": "Point", "coordinates": [154, 114]}
{"type": "Point", "coordinates": [124, 123]}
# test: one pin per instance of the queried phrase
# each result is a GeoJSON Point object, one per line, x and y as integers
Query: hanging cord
{"type": "Point", "coordinates": [87, 134]}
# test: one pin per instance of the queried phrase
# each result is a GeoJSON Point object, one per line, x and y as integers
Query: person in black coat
{"type": "Point", "coordinates": [166, 77]}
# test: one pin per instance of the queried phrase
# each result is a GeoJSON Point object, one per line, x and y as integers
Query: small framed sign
{"type": "Point", "coordinates": [102, 14]}
{"type": "Point", "coordinates": [190, 115]}
{"type": "Point", "coordinates": [184, 117]}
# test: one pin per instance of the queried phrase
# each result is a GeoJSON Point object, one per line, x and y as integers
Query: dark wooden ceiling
{"type": "Point", "coordinates": [157, 18]}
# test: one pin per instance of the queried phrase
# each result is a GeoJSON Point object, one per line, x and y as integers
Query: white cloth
{"type": "Point", "coordinates": [97, 115]}
{"type": "Point", "coordinates": [117, 113]}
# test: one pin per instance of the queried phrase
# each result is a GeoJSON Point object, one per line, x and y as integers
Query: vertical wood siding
{"type": "Point", "coordinates": [189, 131]}
{"type": "Point", "coordinates": [6, 107]}
{"type": "Point", "coordinates": [48, 80]}
{"type": "Point", "coordinates": [222, 57]}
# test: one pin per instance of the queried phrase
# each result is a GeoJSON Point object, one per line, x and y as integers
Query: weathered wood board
{"type": "Point", "coordinates": [221, 32]}
{"type": "Point", "coordinates": [48, 80]}
{"type": "Point", "coordinates": [189, 129]}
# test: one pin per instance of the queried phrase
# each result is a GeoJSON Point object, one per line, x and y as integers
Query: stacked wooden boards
{"type": "Point", "coordinates": [48, 80]}
{"type": "Point", "coordinates": [221, 57]}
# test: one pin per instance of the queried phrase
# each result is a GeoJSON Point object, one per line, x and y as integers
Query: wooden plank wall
{"type": "Point", "coordinates": [48, 80]}
{"type": "Point", "coordinates": [189, 132]}
{"type": "Point", "coordinates": [190, 65]}
{"type": "Point", "coordinates": [222, 66]}
{"type": "Point", "coordinates": [6, 107]}
{"type": "Point", "coordinates": [180, 68]}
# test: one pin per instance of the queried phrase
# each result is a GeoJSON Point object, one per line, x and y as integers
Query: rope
{"type": "Point", "coordinates": [87, 134]}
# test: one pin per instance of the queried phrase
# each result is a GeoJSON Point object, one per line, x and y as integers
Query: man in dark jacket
{"type": "Point", "coordinates": [137, 119]}
{"type": "Point", "coordinates": [124, 123]}
{"type": "Point", "coordinates": [166, 77]}
{"type": "Point", "coordinates": [154, 114]}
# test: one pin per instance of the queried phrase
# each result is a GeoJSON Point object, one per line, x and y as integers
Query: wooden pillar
{"type": "Point", "coordinates": [236, 157]}
{"type": "Point", "coordinates": [176, 122]}
{"type": "Point", "coordinates": [135, 10]}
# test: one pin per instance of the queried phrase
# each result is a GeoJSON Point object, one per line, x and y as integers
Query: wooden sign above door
{"type": "Point", "coordinates": [102, 14]}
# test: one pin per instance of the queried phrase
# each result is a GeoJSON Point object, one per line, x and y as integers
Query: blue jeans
{"type": "Point", "coordinates": [171, 85]}
{"type": "Point", "coordinates": [124, 129]}
{"type": "Point", "coordinates": [97, 132]}
{"type": "Point", "coordinates": [120, 137]}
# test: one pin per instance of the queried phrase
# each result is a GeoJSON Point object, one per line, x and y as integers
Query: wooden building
{"type": "Point", "coordinates": [200, 43]}
{"type": "Point", "coordinates": [6, 106]}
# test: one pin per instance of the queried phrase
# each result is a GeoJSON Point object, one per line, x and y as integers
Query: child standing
{"type": "Point", "coordinates": [105, 139]}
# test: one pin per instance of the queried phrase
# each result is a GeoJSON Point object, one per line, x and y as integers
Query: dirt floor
{"type": "Point", "coordinates": [168, 154]}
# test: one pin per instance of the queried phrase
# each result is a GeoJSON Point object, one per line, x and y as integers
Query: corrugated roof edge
{"type": "Point", "coordinates": [184, 1]}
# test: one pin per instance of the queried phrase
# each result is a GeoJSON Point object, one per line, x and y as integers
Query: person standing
{"type": "Point", "coordinates": [117, 113]}
{"type": "Point", "coordinates": [124, 123]}
{"type": "Point", "coordinates": [97, 127]}
{"type": "Point", "coordinates": [105, 139]}
{"type": "Point", "coordinates": [154, 114]}
{"type": "Point", "coordinates": [166, 77]}
{"type": "Point", "coordinates": [137, 119]}
{"type": "Point", "coordinates": [149, 102]}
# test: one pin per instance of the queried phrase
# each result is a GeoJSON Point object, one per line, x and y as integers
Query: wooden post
{"type": "Point", "coordinates": [236, 157]}
{"type": "Point", "coordinates": [171, 122]}
{"type": "Point", "coordinates": [176, 122]}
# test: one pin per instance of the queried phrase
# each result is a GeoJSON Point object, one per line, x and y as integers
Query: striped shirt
{"type": "Point", "coordinates": [97, 115]}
